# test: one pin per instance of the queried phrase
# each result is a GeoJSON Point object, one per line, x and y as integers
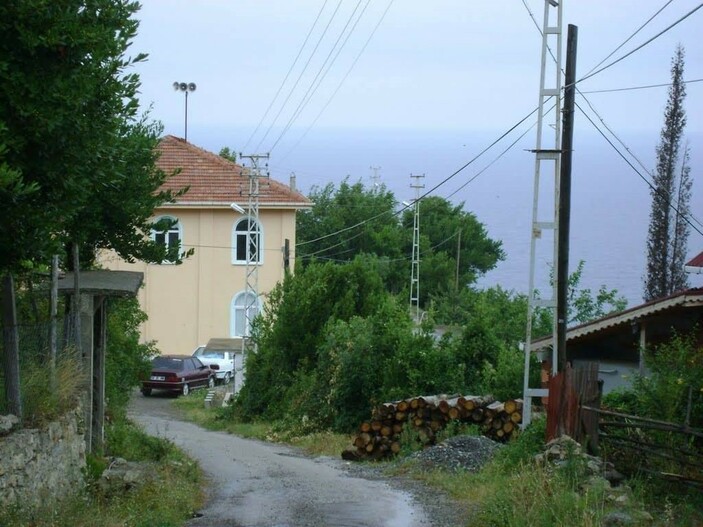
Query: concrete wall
{"type": "Point", "coordinates": [42, 465]}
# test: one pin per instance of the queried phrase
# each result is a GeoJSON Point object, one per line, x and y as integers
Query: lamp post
{"type": "Point", "coordinates": [185, 87]}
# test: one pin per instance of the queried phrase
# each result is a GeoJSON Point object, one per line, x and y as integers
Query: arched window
{"type": "Point", "coordinates": [170, 237]}
{"type": "Point", "coordinates": [243, 304]}
{"type": "Point", "coordinates": [247, 235]}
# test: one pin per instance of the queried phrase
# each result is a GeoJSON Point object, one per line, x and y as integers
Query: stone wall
{"type": "Point", "coordinates": [42, 465]}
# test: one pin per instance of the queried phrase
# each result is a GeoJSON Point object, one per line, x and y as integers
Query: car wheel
{"type": "Point", "coordinates": [211, 382]}
{"type": "Point", "coordinates": [228, 378]}
{"type": "Point", "coordinates": [186, 389]}
{"type": "Point", "coordinates": [146, 392]}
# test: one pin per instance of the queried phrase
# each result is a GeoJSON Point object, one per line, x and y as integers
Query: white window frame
{"type": "Point", "coordinates": [176, 228]}
{"type": "Point", "coordinates": [248, 233]}
{"type": "Point", "coordinates": [237, 306]}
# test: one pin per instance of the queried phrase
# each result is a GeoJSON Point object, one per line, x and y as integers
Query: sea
{"type": "Point", "coordinates": [610, 199]}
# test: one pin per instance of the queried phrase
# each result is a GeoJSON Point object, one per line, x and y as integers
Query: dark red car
{"type": "Point", "coordinates": [177, 373]}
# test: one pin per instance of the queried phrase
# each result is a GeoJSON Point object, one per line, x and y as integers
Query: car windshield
{"type": "Point", "coordinates": [210, 354]}
{"type": "Point", "coordinates": [167, 363]}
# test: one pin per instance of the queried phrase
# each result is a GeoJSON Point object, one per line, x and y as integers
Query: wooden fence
{"type": "Point", "coordinates": [670, 451]}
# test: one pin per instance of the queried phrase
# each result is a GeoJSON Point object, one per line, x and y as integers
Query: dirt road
{"type": "Point", "coordinates": [257, 484]}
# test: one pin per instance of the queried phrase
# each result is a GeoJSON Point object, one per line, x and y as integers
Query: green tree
{"type": "Point", "coordinates": [77, 166]}
{"type": "Point", "coordinates": [584, 306]}
{"type": "Point", "coordinates": [451, 239]}
{"type": "Point", "coordinates": [292, 327]}
{"type": "Point", "coordinates": [671, 190]}
{"type": "Point", "coordinates": [368, 223]}
{"type": "Point", "coordinates": [72, 135]}
{"type": "Point", "coordinates": [228, 153]}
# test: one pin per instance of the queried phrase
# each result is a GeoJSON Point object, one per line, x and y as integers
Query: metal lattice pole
{"type": "Point", "coordinates": [547, 163]}
{"type": "Point", "coordinates": [415, 268]}
{"type": "Point", "coordinates": [253, 253]}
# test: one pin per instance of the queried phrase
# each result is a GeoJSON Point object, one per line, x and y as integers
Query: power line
{"type": "Point", "coordinates": [313, 86]}
{"type": "Point", "coordinates": [645, 87]}
{"type": "Point", "coordinates": [599, 91]}
{"type": "Point", "coordinates": [363, 48]}
{"type": "Point", "coordinates": [451, 176]}
{"type": "Point", "coordinates": [300, 76]}
{"type": "Point", "coordinates": [668, 28]}
{"type": "Point", "coordinates": [295, 61]}
{"type": "Point", "coordinates": [492, 162]}
{"type": "Point", "coordinates": [622, 143]}
{"type": "Point", "coordinates": [647, 182]}
{"type": "Point", "coordinates": [632, 35]}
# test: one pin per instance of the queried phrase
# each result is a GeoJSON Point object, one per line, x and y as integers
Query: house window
{"type": "Point", "coordinates": [247, 235]}
{"type": "Point", "coordinates": [169, 237]}
{"type": "Point", "coordinates": [242, 303]}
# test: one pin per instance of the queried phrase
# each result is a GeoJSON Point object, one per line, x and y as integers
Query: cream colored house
{"type": "Point", "coordinates": [204, 297]}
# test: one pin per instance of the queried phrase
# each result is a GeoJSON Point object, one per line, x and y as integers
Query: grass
{"type": "Point", "coordinates": [224, 419]}
{"type": "Point", "coordinates": [167, 500]}
{"type": "Point", "coordinates": [511, 490]}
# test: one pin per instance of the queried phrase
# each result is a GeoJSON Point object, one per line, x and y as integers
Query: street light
{"type": "Point", "coordinates": [185, 87]}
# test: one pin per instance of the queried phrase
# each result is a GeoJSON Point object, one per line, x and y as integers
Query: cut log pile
{"type": "Point", "coordinates": [425, 416]}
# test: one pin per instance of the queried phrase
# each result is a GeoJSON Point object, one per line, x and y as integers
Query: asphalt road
{"type": "Point", "coordinates": [258, 484]}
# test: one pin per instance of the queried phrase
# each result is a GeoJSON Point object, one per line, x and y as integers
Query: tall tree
{"type": "Point", "coordinates": [77, 165]}
{"type": "Point", "coordinates": [668, 228]}
{"type": "Point", "coordinates": [69, 124]}
{"type": "Point", "coordinates": [454, 245]}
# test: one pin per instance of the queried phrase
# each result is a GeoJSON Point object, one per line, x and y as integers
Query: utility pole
{"type": "Point", "coordinates": [545, 216]}
{"type": "Point", "coordinates": [567, 140]}
{"type": "Point", "coordinates": [376, 177]}
{"type": "Point", "coordinates": [415, 267]}
{"type": "Point", "coordinates": [253, 252]}
{"type": "Point", "coordinates": [458, 258]}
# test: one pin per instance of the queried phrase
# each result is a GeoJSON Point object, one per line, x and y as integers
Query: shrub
{"type": "Point", "coordinates": [44, 400]}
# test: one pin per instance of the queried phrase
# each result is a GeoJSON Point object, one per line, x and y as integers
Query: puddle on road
{"type": "Point", "coordinates": [383, 512]}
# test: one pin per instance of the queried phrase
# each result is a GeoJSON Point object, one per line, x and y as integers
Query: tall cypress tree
{"type": "Point", "coordinates": [671, 192]}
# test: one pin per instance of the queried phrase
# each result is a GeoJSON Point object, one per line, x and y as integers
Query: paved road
{"type": "Point", "coordinates": [258, 484]}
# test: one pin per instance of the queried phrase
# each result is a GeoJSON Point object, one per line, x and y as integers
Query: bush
{"type": "Point", "coordinates": [127, 359]}
{"type": "Point", "coordinates": [44, 400]}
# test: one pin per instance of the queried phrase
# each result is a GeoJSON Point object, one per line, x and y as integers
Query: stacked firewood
{"type": "Point", "coordinates": [425, 416]}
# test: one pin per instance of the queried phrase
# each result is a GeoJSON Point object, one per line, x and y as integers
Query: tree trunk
{"type": "Point", "coordinates": [11, 355]}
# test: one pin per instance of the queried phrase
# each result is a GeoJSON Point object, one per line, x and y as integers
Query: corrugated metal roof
{"type": "Point", "coordinates": [689, 297]}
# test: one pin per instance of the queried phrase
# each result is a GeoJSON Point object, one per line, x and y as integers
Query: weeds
{"type": "Point", "coordinates": [44, 400]}
{"type": "Point", "coordinates": [170, 497]}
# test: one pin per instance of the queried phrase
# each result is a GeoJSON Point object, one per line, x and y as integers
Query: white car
{"type": "Point", "coordinates": [220, 361]}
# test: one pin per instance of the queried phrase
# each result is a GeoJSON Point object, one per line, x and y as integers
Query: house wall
{"type": "Point", "coordinates": [190, 303]}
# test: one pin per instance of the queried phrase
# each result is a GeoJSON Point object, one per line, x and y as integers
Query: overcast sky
{"type": "Point", "coordinates": [445, 64]}
{"type": "Point", "coordinates": [437, 82]}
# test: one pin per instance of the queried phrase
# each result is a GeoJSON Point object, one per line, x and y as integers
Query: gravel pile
{"type": "Point", "coordinates": [458, 453]}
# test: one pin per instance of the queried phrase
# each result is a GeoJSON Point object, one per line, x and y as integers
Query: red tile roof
{"type": "Point", "coordinates": [696, 261]}
{"type": "Point", "coordinates": [216, 181]}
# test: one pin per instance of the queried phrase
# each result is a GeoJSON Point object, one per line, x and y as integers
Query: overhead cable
{"type": "Point", "coordinates": [363, 48]}
{"type": "Point", "coordinates": [300, 76]}
{"type": "Point", "coordinates": [632, 35]}
{"type": "Point", "coordinates": [645, 87]}
{"type": "Point", "coordinates": [322, 72]}
{"type": "Point", "coordinates": [295, 61]}
{"type": "Point", "coordinates": [649, 41]}
{"type": "Point", "coordinates": [648, 183]}
{"type": "Point", "coordinates": [448, 178]}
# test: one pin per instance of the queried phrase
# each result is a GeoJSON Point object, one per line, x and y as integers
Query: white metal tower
{"type": "Point", "coordinates": [253, 252]}
{"type": "Point", "coordinates": [546, 188]}
{"type": "Point", "coordinates": [415, 269]}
